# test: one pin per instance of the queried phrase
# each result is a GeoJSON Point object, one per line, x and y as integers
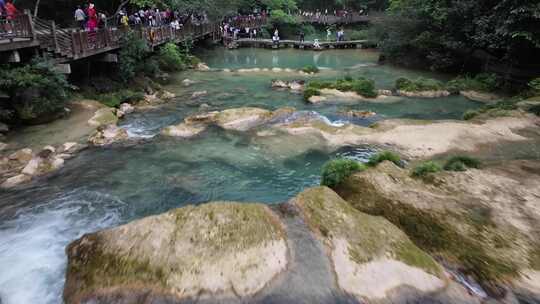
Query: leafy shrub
{"type": "Point", "coordinates": [36, 90]}
{"type": "Point", "coordinates": [482, 82]}
{"type": "Point", "coordinates": [171, 59]}
{"type": "Point", "coordinates": [384, 156]}
{"type": "Point", "coordinates": [116, 99]}
{"type": "Point", "coordinates": [426, 168]}
{"type": "Point", "coordinates": [310, 69]}
{"type": "Point", "coordinates": [418, 85]}
{"type": "Point", "coordinates": [132, 56]}
{"type": "Point", "coordinates": [319, 85]}
{"type": "Point", "coordinates": [309, 92]}
{"type": "Point", "coordinates": [461, 163]}
{"type": "Point", "coordinates": [470, 114]}
{"type": "Point", "coordinates": [335, 171]}
{"type": "Point", "coordinates": [364, 87]}
{"type": "Point", "coordinates": [361, 86]}
{"type": "Point", "coordinates": [359, 35]}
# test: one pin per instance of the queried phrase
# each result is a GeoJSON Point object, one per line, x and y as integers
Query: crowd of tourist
{"type": "Point", "coordinates": [324, 16]}
{"type": "Point", "coordinates": [8, 11]}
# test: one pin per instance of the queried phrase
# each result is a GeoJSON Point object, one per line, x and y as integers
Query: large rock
{"type": "Point", "coordinates": [202, 67]}
{"type": "Point", "coordinates": [219, 249]}
{"type": "Point", "coordinates": [108, 135]}
{"type": "Point", "coordinates": [294, 85]}
{"type": "Point", "coordinates": [242, 119]}
{"type": "Point", "coordinates": [126, 108]}
{"type": "Point", "coordinates": [21, 156]}
{"type": "Point", "coordinates": [486, 222]}
{"type": "Point", "coordinates": [184, 130]}
{"type": "Point", "coordinates": [371, 257]}
{"type": "Point", "coordinates": [102, 117]}
{"type": "Point", "coordinates": [15, 181]}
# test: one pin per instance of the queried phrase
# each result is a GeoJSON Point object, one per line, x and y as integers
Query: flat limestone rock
{"type": "Point", "coordinates": [371, 257]}
{"type": "Point", "coordinates": [108, 135]}
{"type": "Point", "coordinates": [15, 181]}
{"type": "Point", "coordinates": [424, 94]}
{"type": "Point", "coordinates": [220, 249]}
{"type": "Point", "coordinates": [419, 139]}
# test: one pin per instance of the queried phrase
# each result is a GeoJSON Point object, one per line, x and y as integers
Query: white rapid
{"type": "Point", "coordinates": [32, 244]}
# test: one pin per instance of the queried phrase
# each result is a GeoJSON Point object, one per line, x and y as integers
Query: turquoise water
{"type": "Point", "coordinates": [104, 187]}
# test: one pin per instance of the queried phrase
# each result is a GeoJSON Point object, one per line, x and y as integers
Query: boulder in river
{"type": "Point", "coordinates": [371, 257]}
{"type": "Point", "coordinates": [221, 249]}
{"type": "Point", "coordinates": [184, 130]}
{"type": "Point", "coordinates": [242, 119]}
{"type": "Point", "coordinates": [294, 85]}
{"type": "Point", "coordinates": [486, 222]}
{"type": "Point", "coordinates": [15, 181]}
{"type": "Point", "coordinates": [21, 156]}
{"type": "Point", "coordinates": [199, 94]}
{"type": "Point", "coordinates": [108, 135]}
{"type": "Point", "coordinates": [202, 67]}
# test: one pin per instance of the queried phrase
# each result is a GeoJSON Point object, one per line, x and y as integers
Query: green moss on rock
{"type": "Point", "coordinates": [369, 237]}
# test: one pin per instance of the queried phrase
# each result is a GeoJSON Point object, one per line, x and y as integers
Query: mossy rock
{"type": "Point", "coordinates": [453, 219]}
{"type": "Point", "coordinates": [218, 248]}
{"type": "Point", "coordinates": [358, 241]}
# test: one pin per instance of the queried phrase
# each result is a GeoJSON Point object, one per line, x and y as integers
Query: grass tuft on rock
{"type": "Point", "coordinates": [418, 85]}
{"type": "Point", "coordinates": [384, 156]}
{"type": "Point", "coordinates": [461, 163]}
{"type": "Point", "coordinates": [310, 69]}
{"type": "Point", "coordinates": [310, 92]}
{"type": "Point", "coordinates": [426, 168]}
{"type": "Point", "coordinates": [335, 171]}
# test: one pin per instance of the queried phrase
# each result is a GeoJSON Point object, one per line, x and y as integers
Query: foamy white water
{"type": "Point", "coordinates": [32, 245]}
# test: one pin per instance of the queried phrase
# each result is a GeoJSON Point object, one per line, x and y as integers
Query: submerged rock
{"type": "Point", "coordinates": [108, 135]}
{"type": "Point", "coordinates": [371, 257]}
{"type": "Point", "coordinates": [471, 218]}
{"type": "Point", "coordinates": [222, 249]}
{"type": "Point", "coordinates": [188, 82]}
{"type": "Point", "coordinates": [199, 94]}
{"type": "Point", "coordinates": [358, 114]}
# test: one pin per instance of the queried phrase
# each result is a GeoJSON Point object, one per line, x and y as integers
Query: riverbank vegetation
{"type": "Point", "coordinates": [36, 92]}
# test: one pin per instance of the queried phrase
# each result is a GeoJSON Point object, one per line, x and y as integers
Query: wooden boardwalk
{"type": "Point", "coordinates": [66, 45]}
{"type": "Point", "coordinates": [306, 45]}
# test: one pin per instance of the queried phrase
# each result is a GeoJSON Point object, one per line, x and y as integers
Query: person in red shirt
{"type": "Point", "coordinates": [11, 10]}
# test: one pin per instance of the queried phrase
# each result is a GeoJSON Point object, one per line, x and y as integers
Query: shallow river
{"type": "Point", "coordinates": [105, 187]}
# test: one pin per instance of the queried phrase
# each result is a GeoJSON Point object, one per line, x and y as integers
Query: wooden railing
{"type": "Point", "coordinates": [19, 26]}
{"type": "Point", "coordinates": [71, 44]}
{"type": "Point", "coordinates": [332, 19]}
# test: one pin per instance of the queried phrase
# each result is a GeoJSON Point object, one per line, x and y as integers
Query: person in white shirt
{"type": "Point", "coordinates": [80, 17]}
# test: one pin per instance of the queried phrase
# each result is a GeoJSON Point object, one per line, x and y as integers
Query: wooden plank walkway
{"type": "Point", "coordinates": [307, 45]}
{"type": "Point", "coordinates": [66, 45]}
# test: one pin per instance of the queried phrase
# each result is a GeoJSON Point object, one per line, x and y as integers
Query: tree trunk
{"type": "Point", "coordinates": [36, 8]}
